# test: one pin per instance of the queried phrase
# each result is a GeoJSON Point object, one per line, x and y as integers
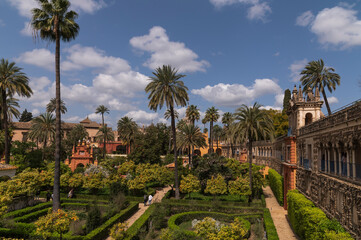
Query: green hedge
{"type": "Point", "coordinates": [24, 211]}
{"type": "Point", "coordinates": [310, 222]}
{"type": "Point", "coordinates": [31, 217]}
{"type": "Point", "coordinates": [269, 225]}
{"type": "Point", "coordinates": [276, 184]}
{"type": "Point", "coordinates": [133, 231]}
{"type": "Point", "coordinates": [102, 232]}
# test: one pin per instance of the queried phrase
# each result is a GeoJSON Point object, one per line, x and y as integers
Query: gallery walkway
{"type": "Point", "coordinates": [278, 214]}
{"type": "Point", "coordinates": [157, 198]}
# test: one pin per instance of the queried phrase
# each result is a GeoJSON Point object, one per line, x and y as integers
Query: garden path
{"type": "Point", "coordinates": [278, 214]}
{"type": "Point", "coordinates": [157, 198]}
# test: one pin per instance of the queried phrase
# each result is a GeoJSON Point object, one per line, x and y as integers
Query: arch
{"type": "Point", "coordinates": [308, 118]}
{"type": "Point", "coordinates": [80, 165]}
{"type": "Point", "coordinates": [197, 152]}
{"type": "Point", "coordinates": [122, 149]}
{"type": "Point", "coordinates": [219, 151]}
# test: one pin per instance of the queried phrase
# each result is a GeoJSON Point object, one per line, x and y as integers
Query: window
{"type": "Point", "coordinates": [308, 118]}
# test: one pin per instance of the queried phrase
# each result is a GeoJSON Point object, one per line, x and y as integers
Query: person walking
{"type": "Point", "coordinates": [145, 199]}
{"type": "Point", "coordinates": [150, 199]}
{"type": "Point", "coordinates": [48, 196]}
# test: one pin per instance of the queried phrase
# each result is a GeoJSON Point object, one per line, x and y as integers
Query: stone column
{"type": "Point", "coordinates": [353, 163]}
{"type": "Point", "coordinates": [348, 162]}
{"type": "Point", "coordinates": [328, 161]}
{"type": "Point", "coordinates": [339, 162]}
{"type": "Point", "coordinates": [334, 159]}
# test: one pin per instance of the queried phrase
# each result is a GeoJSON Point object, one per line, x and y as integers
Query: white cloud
{"type": "Point", "coordinates": [233, 95]}
{"type": "Point", "coordinates": [24, 7]}
{"type": "Point", "coordinates": [73, 119]}
{"type": "Point", "coordinates": [38, 57]}
{"type": "Point", "coordinates": [35, 112]}
{"type": "Point", "coordinates": [305, 19]}
{"type": "Point", "coordinates": [2, 23]}
{"type": "Point", "coordinates": [145, 118]}
{"type": "Point", "coordinates": [338, 26]}
{"type": "Point", "coordinates": [38, 84]}
{"type": "Point", "coordinates": [332, 100]}
{"type": "Point", "coordinates": [276, 54]}
{"type": "Point", "coordinates": [165, 52]}
{"type": "Point", "coordinates": [296, 68]}
{"type": "Point", "coordinates": [257, 10]}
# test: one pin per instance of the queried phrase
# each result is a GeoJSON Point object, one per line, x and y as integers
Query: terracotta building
{"type": "Point", "coordinates": [82, 155]}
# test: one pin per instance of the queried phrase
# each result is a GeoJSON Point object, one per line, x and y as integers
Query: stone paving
{"type": "Point", "coordinates": [278, 214]}
{"type": "Point", "coordinates": [157, 198]}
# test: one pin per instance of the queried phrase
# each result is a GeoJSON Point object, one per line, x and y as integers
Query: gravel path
{"type": "Point", "coordinates": [278, 214]}
{"type": "Point", "coordinates": [157, 198]}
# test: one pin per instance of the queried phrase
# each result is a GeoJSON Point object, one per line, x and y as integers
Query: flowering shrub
{"type": "Point", "coordinates": [55, 221]}
{"type": "Point", "coordinates": [118, 231]}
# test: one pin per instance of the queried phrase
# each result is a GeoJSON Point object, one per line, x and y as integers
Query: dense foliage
{"type": "Point", "coordinates": [276, 184]}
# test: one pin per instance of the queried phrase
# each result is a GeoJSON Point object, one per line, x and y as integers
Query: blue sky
{"type": "Point", "coordinates": [233, 52]}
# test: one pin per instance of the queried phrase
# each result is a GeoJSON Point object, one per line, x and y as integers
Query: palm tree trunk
{"type": "Point", "coordinates": [326, 102]}
{"type": "Point", "coordinates": [6, 129]}
{"type": "Point", "coordinates": [43, 155]}
{"type": "Point", "coordinates": [189, 155]}
{"type": "Point", "coordinates": [250, 169]}
{"type": "Point", "coordinates": [232, 152]}
{"type": "Point", "coordinates": [104, 148]}
{"type": "Point", "coordinates": [191, 163]}
{"type": "Point", "coordinates": [175, 153]}
{"type": "Point", "coordinates": [56, 190]}
{"type": "Point", "coordinates": [211, 136]}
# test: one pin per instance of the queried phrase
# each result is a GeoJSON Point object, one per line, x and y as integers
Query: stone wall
{"type": "Point", "coordinates": [271, 162]}
{"type": "Point", "coordinates": [337, 198]}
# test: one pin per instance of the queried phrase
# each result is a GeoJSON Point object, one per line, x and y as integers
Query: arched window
{"type": "Point", "coordinates": [308, 118]}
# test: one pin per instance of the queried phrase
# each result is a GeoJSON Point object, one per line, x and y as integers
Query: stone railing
{"type": "Point", "coordinates": [347, 113]}
{"type": "Point", "coordinates": [337, 198]}
{"type": "Point", "coordinates": [271, 162]}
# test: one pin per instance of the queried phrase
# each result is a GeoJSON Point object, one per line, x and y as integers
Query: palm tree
{"type": "Point", "coordinates": [227, 121]}
{"type": "Point", "coordinates": [43, 129]}
{"type": "Point", "coordinates": [190, 136]}
{"type": "Point", "coordinates": [316, 75]}
{"type": "Point", "coordinates": [192, 113]}
{"type": "Point", "coordinates": [12, 81]}
{"type": "Point", "coordinates": [104, 134]}
{"type": "Point", "coordinates": [12, 105]}
{"type": "Point", "coordinates": [211, 116]}
{"type": "Point", "coordinates": [167, 88]}
{"type": "Point", "coordinates": [167, 114]}
{"type": "Point", "coordinates": [102, 109]}
{"type": "Point", "coordinates": [127, 129]}
{"type": "Point", "coordinates": [252, 124]}
{"type": "Point", "coordinates": [54, 22]}
{"type": "Point", "coordinates": [217, 133]}
{"type": "Point", "coordinates": [51, 106]}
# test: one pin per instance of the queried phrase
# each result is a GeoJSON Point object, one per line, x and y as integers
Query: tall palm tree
{"type": "Point", "coordinates": [51, 106]}
{"type": "Point", "coordinates": [212, 115]}
{"type": "Point", "coordinates": [227, 121]}
{"type": "Point", "coordinates": [127, 129]}
{"type": "Point", "coordinates": [252, 123]}
{"type": "Point", "coordinates": [190, 136]}
{"type": "Point", "coordinates": [43, 129]}
{"type": "Point", "coordinates": [12, 81]}
{"type": "Point", "coordinates": [167, 88]}
{"type": "Point", "coordinates": [102, 109]}
{"type": "Point", "coordinates": [316, 75]}
{"type": "Point", "coordinates": [192, 113]}
{"type": "Point", "coordinates": [54, 22]}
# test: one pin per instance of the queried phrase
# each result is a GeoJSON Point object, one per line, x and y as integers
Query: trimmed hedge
{"type": "Point", "coordinates": [269, 225]}
{"type": "Point", "coordinates": [24, 211]}
{"type": "Point", "coordinates": [31, 217]}
{"type": "Point", "coordinates": [276, 184]}
{"type": "Point", "coordinates": [133, 231]}
{"type": "Point", "coordinates": [310, 222]}
{"type": "Point", "coordinates": [102, 232]}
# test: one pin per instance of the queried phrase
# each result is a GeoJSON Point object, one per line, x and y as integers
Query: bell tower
{"type": "Point", "coordinates": [303, 110]}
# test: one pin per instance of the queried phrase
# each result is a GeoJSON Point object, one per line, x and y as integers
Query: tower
{"type": "Point", "coordinates": [303, 110]}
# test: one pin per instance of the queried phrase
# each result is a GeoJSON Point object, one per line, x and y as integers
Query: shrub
{"type": "Point", "coordinates": [216, 186]}
{"type": "Point", "coordinates": [276, 184]}
{"type": "Point", "coordinates": [93, 219]}
{"type": "Point", "coordinates": [269, 225]}
{"type": "Point", "coordinates": [24, 211]}
{"type": "Point", "coordinates": [310, 222]}
{"type": "Point", "coordinates": [190, 184]}
{"type": "Point", "coordinates": [118, 231]}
